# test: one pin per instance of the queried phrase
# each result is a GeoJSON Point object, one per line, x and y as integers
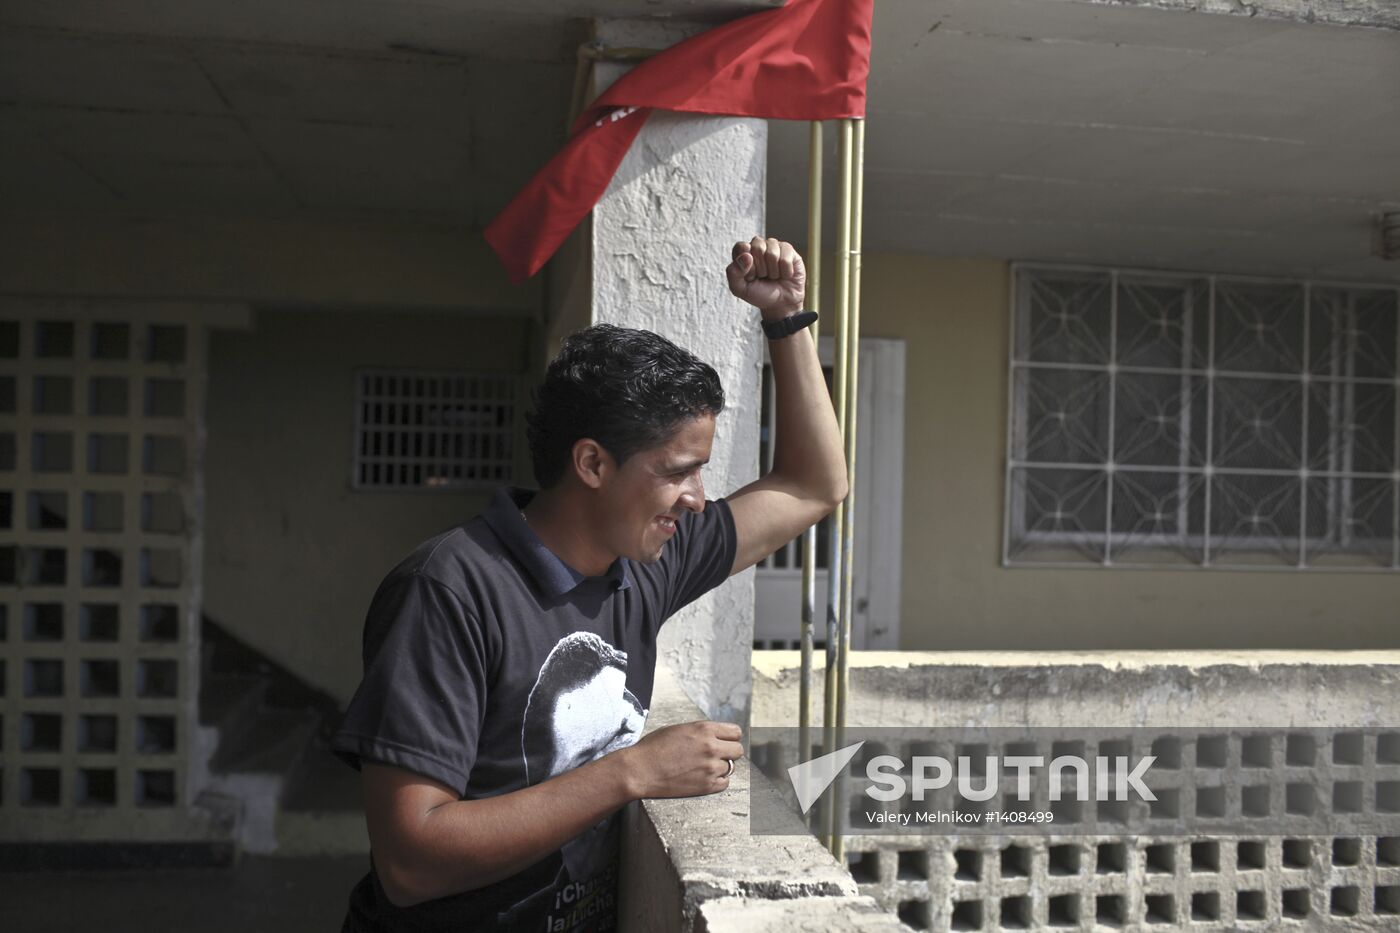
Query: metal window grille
{"type": "Point", "coordinates": [1191, 420]}
{"type": "Point", "coordinates": [433, 430]}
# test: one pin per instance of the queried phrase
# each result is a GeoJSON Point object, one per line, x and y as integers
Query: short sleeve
{"type": "Point", "coordinates": [701, 555]}
{"type": "Point", "coordinates": [419, 705]}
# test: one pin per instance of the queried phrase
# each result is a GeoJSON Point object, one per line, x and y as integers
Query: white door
{"type": "Point", "coordinates": [878, 506]}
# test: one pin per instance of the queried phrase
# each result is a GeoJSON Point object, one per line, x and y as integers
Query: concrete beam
{"type": "Point", "coordinates": [1381, 14]}
{"type": "Point", "coordinates": [263, 260]}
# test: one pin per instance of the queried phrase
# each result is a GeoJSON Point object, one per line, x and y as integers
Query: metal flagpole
{"type": "Point", "coordinates": [809, 537]}
{"type": "Point", "coordinates": [840, 388]}
{"type": "Point", "coordinates": [843, 680]}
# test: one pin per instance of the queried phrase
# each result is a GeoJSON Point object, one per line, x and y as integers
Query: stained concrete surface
{"type": "Point", "coordinates": [680, 854]}
{"type": "Point", "coordinates": [268, 895]}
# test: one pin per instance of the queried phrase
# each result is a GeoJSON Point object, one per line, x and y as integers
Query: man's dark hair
{"type": "Point", "coordinates": [627, 389]}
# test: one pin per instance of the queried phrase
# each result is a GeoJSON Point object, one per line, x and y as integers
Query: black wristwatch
{"type": "Point", "coordinates": [786, 327]}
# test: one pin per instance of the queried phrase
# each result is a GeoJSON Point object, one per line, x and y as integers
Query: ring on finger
{"type": "Point", "coordinates": [730, 762]}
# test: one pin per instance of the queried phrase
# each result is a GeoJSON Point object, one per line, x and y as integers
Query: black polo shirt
{"type": "Point", "coordinates": [490, 665]}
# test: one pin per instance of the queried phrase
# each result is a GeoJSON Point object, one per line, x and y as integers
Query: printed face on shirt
{"type": "Point", "coordinates": [579, 709]}
{"type": "Point", "coordinates": [655, 487]}
{"type": "Point", "coordinates": [598, 716]}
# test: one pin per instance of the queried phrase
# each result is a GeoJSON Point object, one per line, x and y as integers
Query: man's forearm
{"type": "Point", "coordinates": [807, 453]}
{"type": "Point", "coordinates": [446, 846]}
{"type": "Point", "coordinates": [466, 844]}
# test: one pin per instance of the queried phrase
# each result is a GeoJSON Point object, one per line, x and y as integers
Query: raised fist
{"type": "Point", "coordinates": [768, 274]}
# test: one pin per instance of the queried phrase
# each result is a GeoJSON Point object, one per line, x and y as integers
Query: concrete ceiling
{"type": "Point", "coordinates": [429, 117]}
{"type": "Point", "coordinates": [1062, 131]}
{"type": "Point", "coordinates": [1036, 129]}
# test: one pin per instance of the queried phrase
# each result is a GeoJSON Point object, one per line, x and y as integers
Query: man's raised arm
{"type": "Point", "coordinates": [808, 478]}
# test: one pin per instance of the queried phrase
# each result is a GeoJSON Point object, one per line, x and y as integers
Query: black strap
{"type": "Point", "coordinates": [786, 327]}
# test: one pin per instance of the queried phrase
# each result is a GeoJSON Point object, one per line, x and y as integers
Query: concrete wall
{"type": "Point", "coordinates": [292, 553]}
{"type": "Point", "coordinates": [688, 188]}
{"type": "Point", "coordinates": [957, 595]}
{"type": "Point", "coordinates": [662, 233]}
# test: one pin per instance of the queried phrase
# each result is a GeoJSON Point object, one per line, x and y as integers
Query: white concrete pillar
{"type": "Point", "coordinates": [662, 233]}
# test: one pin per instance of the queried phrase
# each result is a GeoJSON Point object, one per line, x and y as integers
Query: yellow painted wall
{"type": "Point", "coordinates": [292, 552]}
{"type": "Point", "coordinates": [954, 316]}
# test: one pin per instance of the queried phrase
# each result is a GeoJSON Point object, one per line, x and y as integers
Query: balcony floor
{"type": "Point", "coordinates": [265, 894]}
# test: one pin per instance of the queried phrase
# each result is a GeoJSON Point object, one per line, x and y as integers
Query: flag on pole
{"type": "Point", "coordinates": [808, 60]}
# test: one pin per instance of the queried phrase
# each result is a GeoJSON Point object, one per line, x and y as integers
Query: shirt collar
{"type": "Point", "coordinates": [551, 574]}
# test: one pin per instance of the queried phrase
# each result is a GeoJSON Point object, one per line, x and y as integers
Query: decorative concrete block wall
{"type": "Point", "coordinates": [1226, 771]}
{"type": "Point", "coordinates": [101, 440]}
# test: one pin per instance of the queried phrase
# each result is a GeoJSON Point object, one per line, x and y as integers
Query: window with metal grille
{"type": "Point", "coordinates": [433, 430]}
{"type": "Point", "coordinates": [1201, 421]}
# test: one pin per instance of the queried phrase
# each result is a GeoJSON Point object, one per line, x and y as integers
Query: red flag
{"type": "Point", "coordinates": [808, 60]}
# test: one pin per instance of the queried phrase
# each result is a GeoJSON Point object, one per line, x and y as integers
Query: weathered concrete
{"type": "Point", "coordinates": [688, 189]}
{"type": "Point", "coordinates": [1131, 688]}
{"type": "Point", "coordinates": [680, 854]}
{"type": "Point", "coordinates": [1379, 13]}
{"type": "Point", "coordinates": [810, 915]}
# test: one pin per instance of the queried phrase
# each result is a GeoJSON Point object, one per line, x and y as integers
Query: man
{"type": "Point", "coordinates": [509, 661]}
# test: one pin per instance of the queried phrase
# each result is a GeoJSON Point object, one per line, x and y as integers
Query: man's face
{"type": "Point", "coordinates": [655, 487]}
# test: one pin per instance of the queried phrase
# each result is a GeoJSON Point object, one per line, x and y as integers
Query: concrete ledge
{"type": "Point", "coordinates": [809, 915]}
{"type": "Point", "coordinates": [1056, 688]}
{"type": "Point", "coordinates": [678, 855]}
{"type": "Point", "coordinates": [1376, 13]}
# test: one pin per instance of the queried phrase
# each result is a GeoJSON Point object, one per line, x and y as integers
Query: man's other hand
{"type": "Point", "coordinates": [768, 274]}
{"type": "Point", "coordinates": [685, 760]}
